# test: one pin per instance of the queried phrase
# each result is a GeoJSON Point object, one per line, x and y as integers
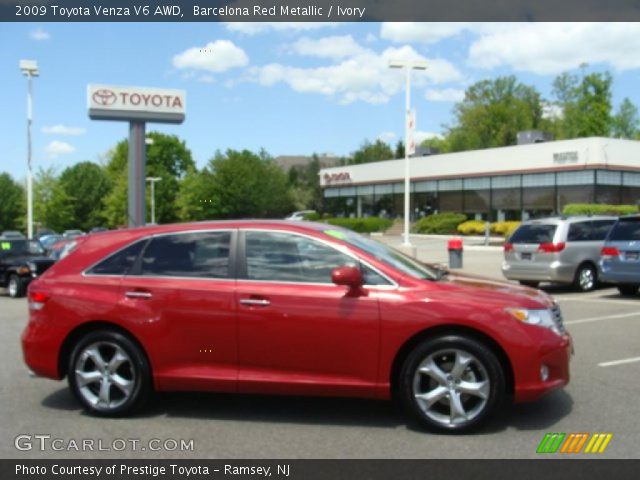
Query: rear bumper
{"type": "Point", "coordinates": [610, 274]}
{"type": "Point", "coordinates": [556, 272]}
{"type": "Point", "coordinates": [40, 349]}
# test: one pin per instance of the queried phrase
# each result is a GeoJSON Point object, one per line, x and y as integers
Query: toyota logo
{"type": "Point", "coordinates": [104, 97]}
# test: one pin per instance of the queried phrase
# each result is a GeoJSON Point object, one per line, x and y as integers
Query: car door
{"type": "Point", "coordinates": [181, 297]}
{"type": "Point", "coordinates": [297, 331]}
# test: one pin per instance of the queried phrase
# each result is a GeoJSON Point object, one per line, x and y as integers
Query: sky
{"type": "Point", "coordinates": [290, 88]}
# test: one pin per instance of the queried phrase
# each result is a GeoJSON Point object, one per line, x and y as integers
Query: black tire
{"type": "Point", "coordinates": [17, 286]}
{"type": "Point", "coordinates": [136, 370]}
{"type": "Point", "coordinates": [628, 290]}
{"type": "Point", "coordinates": [529, 283]}
{"type": "Point", "coordinates": [586, 278]}
{"type": "Point", "coordinates": [436, 348]}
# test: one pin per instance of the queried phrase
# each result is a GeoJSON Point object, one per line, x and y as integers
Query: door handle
{"type": "Point", "coordinates": [138, 295]}
{"type": "Point", "coordinates": [255, 302]}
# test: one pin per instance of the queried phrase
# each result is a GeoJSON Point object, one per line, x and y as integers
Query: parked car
{"type": "Point", "coordinates": [61, 248]}
{"type": "Point", "coordinates": [287, 308]}
{"type": "Point", "coordinates": [557, 250]}
{"type": "Point", "coordinates": [98, 229]}
{"type": "Point", "coordinates": [44, 232]}
{"type": "Point", "coordinates": [21, 261]}
{"type": "Point", "coordinates": [72, 233]}
{"type": "Point", "coordinates": [620, 255]}
{"type": "Point", "coordinates": [48, 241]}
{"type": "Point", "coordinates": [12, 234]}
{"type": "Point", "coordinates": [299, 215]}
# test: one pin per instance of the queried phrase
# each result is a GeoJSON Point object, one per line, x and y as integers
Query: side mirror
{"type": "Point", "coordinates": [348, 276]}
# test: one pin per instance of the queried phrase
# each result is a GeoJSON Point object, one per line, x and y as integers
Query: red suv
{"type": "Point", "coordinates": [287, 308]}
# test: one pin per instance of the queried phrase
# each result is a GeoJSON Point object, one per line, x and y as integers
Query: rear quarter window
{"type": "Point", "coordinates": [120, 262]}
{"type": "Point", "coordinates": [534, 233]}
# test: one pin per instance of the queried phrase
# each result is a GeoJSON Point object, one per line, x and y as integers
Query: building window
{"type": "Point", "coordinates": [584, 177]}
{"type": "Point", "coordinates": [539, 180]}
{"type": "Point", "coordinates": [449, 185]}
{"type": "Point", "coordinates": [609, 178]}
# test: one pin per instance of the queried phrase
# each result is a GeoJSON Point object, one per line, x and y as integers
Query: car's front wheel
{"type": "Point", "coordinates": [451, 383]}
{"type": "Point", "coordinates": [108, 373]}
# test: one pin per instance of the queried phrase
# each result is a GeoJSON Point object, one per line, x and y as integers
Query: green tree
{"type": "Point", "coordinates": [12, 203]}
{"type": "Point", "coordinates": [52, 206]}
{"type": "Point", "coordinates": [493, 112]}
{"type": "Point", "coordinates": [86, 184]}
{"type": "Point", "coordinates": [167, 157]}
{"type": "Point", "coordinates": [304, 185]}
{"type": "Point", "coordinates": [586, 105]}
{"type": "Point", "coordinates": [399, 151]}
{"type": "Point", "coordinates": [625, 121]}
{"type": "Point", "coordinates": [371, 152]}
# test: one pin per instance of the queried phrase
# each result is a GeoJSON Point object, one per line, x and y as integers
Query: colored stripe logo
{"type": "Point", "coordinates": [574, 443]}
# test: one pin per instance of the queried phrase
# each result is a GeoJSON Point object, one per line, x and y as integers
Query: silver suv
{"type": "Point", "coordinates": [557, 250]}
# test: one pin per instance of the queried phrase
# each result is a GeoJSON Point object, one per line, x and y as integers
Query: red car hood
{"type": "Point", "coordinates": [472, 287]}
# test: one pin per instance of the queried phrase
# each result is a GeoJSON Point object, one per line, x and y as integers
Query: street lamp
{"type": "Point", "coordinates": [408, 66]}
{"type": "Point", "coordinates": [153, 181]}
{"type": "Point", "coordinates": [29, 69]}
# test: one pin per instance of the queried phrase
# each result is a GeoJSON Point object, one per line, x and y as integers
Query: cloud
{"type": "Point", "coordinates": [362, 77]}
{"type": "Point", "coordinates": [39, 34]}
{"type": "Point", "coordinates": [387, 137]}
{"type": "Point", "coordinates": [57, 148]}
{"type": "Point", "coordinates": [215, 57]}
{"type": "Point", "coordinates": [254, 28]}
{"type": "Point", "coordinates": [335, 47]}
{"type": "Point", "coordinates": [550, 48]}
{"type": "Point", "coordinates": [63, 130]}
{"type": "Point", "coordinates": [428, 33]}
{"type": "Point", "coordinates": [444, 95]}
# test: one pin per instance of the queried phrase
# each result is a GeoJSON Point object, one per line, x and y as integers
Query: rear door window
{"type": "Point", "coordinates": [198, 254]}
{"type": "Point", "coordinates": [625, 230]}
{"type": "Point", "coordinates": [534, 233]}
{"type": "Point", "coordinates": [579, 232]}
{"type": "Point", "coordinates": [600, 229]}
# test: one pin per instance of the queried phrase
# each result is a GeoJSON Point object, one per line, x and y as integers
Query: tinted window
{"type": "Point", "coordinates": [625, 230]}
{"type": "Point", "coordinates": [600, 228]}
{"type": "Point", "coordinates": [291, 258]}
{"type": "Point", "coordinates": [21, 247]}
{"type": "Point", "coordinates": [533, 233]}
{"type": "Point", "coordinates": [119, 263]}
{"type": "Point", "coordinates": [579, 232]}
{"type": "Point", "coordinates": [202, 255]}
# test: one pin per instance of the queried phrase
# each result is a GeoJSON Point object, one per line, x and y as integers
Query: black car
{"type": "Point", "coordinates": [21, 260]}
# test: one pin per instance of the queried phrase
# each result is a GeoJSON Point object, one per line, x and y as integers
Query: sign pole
{"type": "Point", "coordinates": [137, 164]}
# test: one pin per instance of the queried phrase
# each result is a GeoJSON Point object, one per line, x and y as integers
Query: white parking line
{"type": "Point", "coordinates": [619, 362]}
{"type": "Point", "coordinates": [599, 300]}
{"type": "Point", "coordinates": [607, 317]}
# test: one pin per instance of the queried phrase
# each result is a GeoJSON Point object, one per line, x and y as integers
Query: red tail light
{"type": "Point", "coordinates": [551, 247]}
{"type": "Point", "coordinates": [508, 247]}
{"type": "Point", "coordinates": [37, 299]}
{"type": "Point", "coordinates": [609, 252]}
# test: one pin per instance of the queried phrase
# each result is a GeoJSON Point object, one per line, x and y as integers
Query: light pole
{"type": "Point", "coordinates": [408, 66]}
{"type": "Point", "coordinates": [153, 181]}
{"type": "Point", "coordinates": [29, 69]}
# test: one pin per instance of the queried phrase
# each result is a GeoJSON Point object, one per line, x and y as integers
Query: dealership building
{"type": "Point", "coordinates": [506, 183]}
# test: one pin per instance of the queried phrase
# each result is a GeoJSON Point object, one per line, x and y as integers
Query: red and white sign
{"type": "Point", "coordinates": [411, 130]}
{"type": "Point", "coordinates": [340, 177]}
{"type": "Point", "coordinates": [107, 102]}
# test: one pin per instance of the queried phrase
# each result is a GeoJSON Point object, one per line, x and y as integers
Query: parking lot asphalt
{"type": "Point", "coordinates": [602, 397]}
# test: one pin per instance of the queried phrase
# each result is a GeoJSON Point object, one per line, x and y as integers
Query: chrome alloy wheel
{"type": "Point", "coordinates": [105, 375]}
{"type": "Point", "coordinates": [586, 279]}
{"type": "Point", "coordinates": [13, 286]}
{"type": "Point", "coordinates": [451, 387]}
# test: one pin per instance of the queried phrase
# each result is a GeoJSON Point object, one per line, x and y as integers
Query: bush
{"type": "Point", "coordinates": [362, 225]}
{"type": "Point", "coordinates": [439, 223]}
{"type": "Point", "coordinates": [471, 227]}
{"type": "Point", "coordinates": [598, 209]}
{"type": "Point", "coordinates": [504, 228]}
{"type": "Point", "coordinates": [312, 217]}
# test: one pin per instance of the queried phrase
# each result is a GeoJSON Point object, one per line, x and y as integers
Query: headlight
{"type": "Point", "coordinates": [542, 318]}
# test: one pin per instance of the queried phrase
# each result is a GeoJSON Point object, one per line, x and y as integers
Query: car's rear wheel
{"type": "Point", "coordinates": [451, 383]}
{"type": "Point", "coordinates": [109, 374]}
{"type": "Point", "coordinates": [529, 283]}
{"type": "Point", "coordinates": [586, 278]}
{"type": "Point", "coordinates": [628, 289]}
{"type": "Point", "coordinates": [16, 286]}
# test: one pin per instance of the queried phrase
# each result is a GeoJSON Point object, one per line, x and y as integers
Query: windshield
{"type": "Point", "coordinates": [21, 247]}
{"type": "Point", "coordinates": [386, 254]}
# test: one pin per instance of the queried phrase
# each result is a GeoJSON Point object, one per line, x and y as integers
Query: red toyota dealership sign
{"type": "Point", "coordinates": [107, 102]}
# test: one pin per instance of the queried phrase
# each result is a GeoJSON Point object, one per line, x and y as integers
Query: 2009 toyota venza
{"type": "Point", "coordinates": [287, 308]}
